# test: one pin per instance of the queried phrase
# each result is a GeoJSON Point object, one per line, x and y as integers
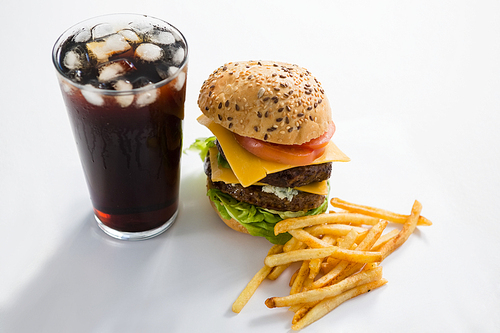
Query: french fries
{"type": "Point", "coordinates": [340, 255]}
{"type": "Point", "coordinates": [375, 212]}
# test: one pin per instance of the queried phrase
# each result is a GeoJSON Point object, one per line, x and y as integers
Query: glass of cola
{"type": "Point", "coordinates": [123, 80]}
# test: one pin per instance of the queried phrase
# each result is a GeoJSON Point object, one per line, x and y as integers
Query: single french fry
{"type": "Point", "coordinates": [334, 251]}
{"type": "Point", "coordinates": [308, 239]}
{"type": "Point", "coordinates": [326, 292]}
{"type": "Point", "coordinates": [307, 221]}
{"type": "Point", "coordinates": [302, 310]}
{"type": "Point", "coordinates": [293, 277]}
{"type": "Point", "coordinates": [277, 271]}
{"type": "Point", "coordinates": [402, 236]}
{"type": "Point", "coordinates": [372, 236]}
{"type": "Point", "coordinates": [299, 279]}
{"type": "Point", "coordinates": [384, 239]}
{"type": "Point", "coordinates": [324, 307]}
{"type": "Point", "coordinates": [250, 289]}
{"type": "Point", "coordinates": [333, 229]}
{"type": "Point", "coordinates": [254, 283]}
{"type": "Point", "coordinates": [292, 244]}
{"type": "Point", "coordinates": [375, 212]}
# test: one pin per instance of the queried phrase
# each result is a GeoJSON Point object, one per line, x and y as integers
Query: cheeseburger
{"type": "Point", "coordinates": [271, 154]}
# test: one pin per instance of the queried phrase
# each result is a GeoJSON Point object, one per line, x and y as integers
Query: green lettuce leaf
{"type": "Point", "coordinates": [258, 221]}
{"type": "Point", "coordinates": [202, 145]}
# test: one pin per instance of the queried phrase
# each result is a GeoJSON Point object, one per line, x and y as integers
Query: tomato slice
{"type": "Point", "coordinates": [323, 140]}
{"type": "Point", "coordinates": [286, 154]}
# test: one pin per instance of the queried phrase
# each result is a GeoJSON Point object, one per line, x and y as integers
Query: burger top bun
{"type": "Point", "coordinates": [271, 101]}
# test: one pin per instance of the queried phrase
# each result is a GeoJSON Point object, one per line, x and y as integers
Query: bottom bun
{"type": "Point", "coordinates": [232, 223]}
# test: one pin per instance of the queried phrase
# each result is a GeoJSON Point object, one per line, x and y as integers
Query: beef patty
{"type": "Point", "coordinates": [254, 195]}
{"type": "Point", "coordinates": [296, 177]}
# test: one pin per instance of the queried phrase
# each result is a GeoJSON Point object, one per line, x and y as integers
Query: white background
{"type": "Point", "coordinates": [415, 92]}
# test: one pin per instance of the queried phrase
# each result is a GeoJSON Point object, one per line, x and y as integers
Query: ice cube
{"type": "Point", "coordinates": [111, 45]}
{"type": "Point", "coordinates": [172, 70]}
{"type": "Point", "coordinates": [178, 56]}
{"type": "Point", "coordinates": [141, 82]}
{"type": "Point", "coordinates": [114, 69]}
{"type": "Point", "coordinates": [141, 27]}
{"type": "Point", "coordinates": [82, 36]}
{"type": "Point", "coordinates": [179, 81]}
{"type": "Point", "coordinates": [92, 95]}
{"type": "Point", "coordinates": [146, 98]}
{"type": "Point", "coordinates": [162, 37]}
{"type": "Point", "coordinates": [163, 70]}
{"type": "Point", "coordinates": [72, 60]}
{"type": "Point", "coordinates": [75, 75]}
{"type": "Point", "coordinates": [149, 52]}
{"type": "Point", "coordinates": [102, 30]}
{"type": "Point", "coordinates": [129, 35]}
{"type": "Point", "coordinates": [123, 100]}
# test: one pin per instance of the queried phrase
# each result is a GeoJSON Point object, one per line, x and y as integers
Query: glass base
{"type": "Point", "coordinates": [141, 235]}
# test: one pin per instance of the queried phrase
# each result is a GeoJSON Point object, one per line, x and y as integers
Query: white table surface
{"type": "Point", "coordinates": [415, 92]}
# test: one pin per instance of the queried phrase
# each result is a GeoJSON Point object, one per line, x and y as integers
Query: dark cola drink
{"type": "Point", "coordinates": [123, 80]}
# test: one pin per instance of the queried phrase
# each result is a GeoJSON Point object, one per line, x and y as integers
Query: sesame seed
{"type": "Point", "coordinates": [261, 92]}
{"type": "Point", "coordinates": [282, 76]}
{"type": "Point", "coordinates": [288, 108]}
{"type": "Point", "coordinates": [290, 92]}
{"type": "Point", "coordinates": [279, 120]}
{"type": "Point", "coordinates": [315, 105]}
{"type": "Point", "coordinates": [250, 77]}
{"type": "Point", "coordinates": [290, 129]}
{"type": "Point", "coordinates": [300, 115]}
{"type": "Point", "coordinates": [256, 128]}
{"type": "Point", "coordinates": [220, 105]}
{"type": "Point", "coordinates": [227, 103]}
{"type": "Point", "coordinates": [275, 65]}
{"type": "Point", "coordinates": [209, 93]}
{"type": "Point", "coordinates": [266, 98]}
{"type": "Point", "coordinates": [237, 107]}
{"type": "Point", "coordinates": [266, 114]}
{"type": "Point", "coordinates": [230, 118]}
{"type": "Point", "coordinates": [275, 99]}
{"type": "Point", "coordinates": [212, 87]}
{"type": "Point", "coordinates": [219, 116]}
{"type": "Point", "coordinates": [276, 88]}
{"type": "Point", "coordinates": [280, 110]}
{"type": "Point", "coordinates": [206, 108]}
{"type": "Point", "coordinates": [224, 68]}
{"type": "Point", "coordinates": [230, 125]}
{"type": "Point", "coordinates": [309, 108]}
{"type": "Point", "coordinates": [287, 120]}
{"type": "Point", "coordinates": [259, 114]}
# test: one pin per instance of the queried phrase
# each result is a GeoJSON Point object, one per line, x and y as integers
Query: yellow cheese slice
{"type": "Point", "coordinates": [249, 168]}
{"type": "Point", "coordinates": [227, 176]}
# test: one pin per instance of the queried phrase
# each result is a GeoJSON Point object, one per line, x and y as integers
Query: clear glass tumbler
{"type": "Point", "coordinates": [123, 80]}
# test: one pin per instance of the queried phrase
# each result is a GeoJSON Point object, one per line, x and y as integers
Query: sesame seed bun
{"type": "Point", "coordinates": [271, 101]}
